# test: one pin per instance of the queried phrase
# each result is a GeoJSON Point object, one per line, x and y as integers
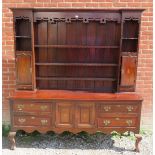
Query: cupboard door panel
{"type": "Point", "coordinates": [128, 72]}
{"type": "Point", "coordinates": [85, 115]}
{"type": "Point", "coordinates": [64, 115]}
{"type": "Point", "coordinates": [23, 69]}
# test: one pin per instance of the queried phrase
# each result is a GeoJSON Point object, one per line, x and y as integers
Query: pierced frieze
{"type": "Point", "coordinates": [132, 19]}
{"type": "Point", "coordinates": [69, 20]}
{"type": "Point", "coordinates": [22, 17]}
{"type": "Point", "coordinates": [23, 14]}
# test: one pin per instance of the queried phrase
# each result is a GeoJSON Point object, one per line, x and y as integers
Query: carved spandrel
{"type": "Point", "coordinates": [22, 17]}
{"type": "Point", "coordinates": [23, 14]}
{"type": "Point", "coordinates": [134, 15]}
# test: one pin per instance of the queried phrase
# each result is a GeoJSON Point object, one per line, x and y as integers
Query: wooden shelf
{"type": "Point", "coordinates": [73, 46]}
{"type": "Point", "coordinates": [130, 38]}
{"type": "Point", "coordinates": [129, 53]}
{"type": "Point", "coordinates": [72, 78]}
{"type": "Point", "coordinates": [26, 37]}
{"type": "Point", "coordinates": [76, 64]}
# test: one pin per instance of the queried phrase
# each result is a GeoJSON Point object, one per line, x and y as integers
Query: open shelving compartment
{"type": "Point", "coordinates": [23, 54]}
{"type": "Point", "coordinates": [130, 36]}
{"type": "Point", "coordinates": [23, 35]}
{"type": "Point", "coordinates": [129, 53]}
{"type": "Point", "coordinates": [77, 55]}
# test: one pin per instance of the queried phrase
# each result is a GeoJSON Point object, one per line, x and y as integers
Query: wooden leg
{"type": "Point", "coordinates": [138, 139]}
{"type": "Point", "coordinates": [128, 133]}
{"type": "Point", "coordinates": [11, 137]}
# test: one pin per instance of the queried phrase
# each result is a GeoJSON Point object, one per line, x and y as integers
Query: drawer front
{"type": "Point", "coordinates": [109, 108]}
{"type": "Point", "coordinates": [117, 122]}
{"type": "Point", "coordinates": [31, 121]}
{"type": "Point", "coordinates": [31, 107]}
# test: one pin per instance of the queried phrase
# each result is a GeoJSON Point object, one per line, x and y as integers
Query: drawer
{"type": "Point", "coordinates": [31, 121]}
{"type": "Point", "coordinates": [118, 108]}
{"type": "Point", "coordinates": [31, 107]}
{"type": "Point", "coordinates": [117, 122]}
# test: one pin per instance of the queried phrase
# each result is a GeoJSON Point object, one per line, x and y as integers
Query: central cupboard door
{"type": "Point", "coordinates": [74, 114]}
{"type": "Point", "coordinates": [65, 114]}
{"type": "Point", "coordinates": [85, 115]}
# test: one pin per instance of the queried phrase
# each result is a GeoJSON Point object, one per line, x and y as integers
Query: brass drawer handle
{"type": "Point", "coordinates": [31, 105]}
{"type": "Point", "coordinates": [106, 122]}
{"type": "Point", "coordinates": [118, 106]}
{"type": "Point", "coordinates": [20, 106]}
{"type": "Point", "coordinates": [117, 118]}
{"type": "Point", "coordinates": [129, 122]}
{"type": "Point", "coordinates": [21, 120]}
{"type": "Point", "coordinates": [32, 117]}
{"type": "Point", "coordinates": [43, 107]}
{"type": "Point", "coordinates": [129, 108]}
{"type": "Point", "coordinates": [44, 121]}
{"type": "Point", "coordinates": [107, 108]}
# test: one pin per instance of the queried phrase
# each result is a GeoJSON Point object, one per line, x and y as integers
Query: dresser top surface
{"type": "Point", "coordinates": [74, 95]}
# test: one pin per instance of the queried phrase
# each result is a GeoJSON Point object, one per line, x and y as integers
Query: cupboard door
{"type": "Point", "coordinates": [128, 72]}
{"type": "Point", "coordinates": [23, 71]}
{"type": "Point", "coordinates": [85, 115]}
{"type": "Point", "coordinates": [64, 114]}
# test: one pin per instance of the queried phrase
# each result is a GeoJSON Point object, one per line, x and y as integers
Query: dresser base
{"type": "Point", "coordinates": [61, 111]}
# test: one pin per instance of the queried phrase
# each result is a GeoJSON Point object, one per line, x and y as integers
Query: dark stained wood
{"type": "Point", "coordinates": [67, 78]}
{"type": "Point", "coordinates": [73, 46]}
{"type": "Point", "coordinates": [76, 64]}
